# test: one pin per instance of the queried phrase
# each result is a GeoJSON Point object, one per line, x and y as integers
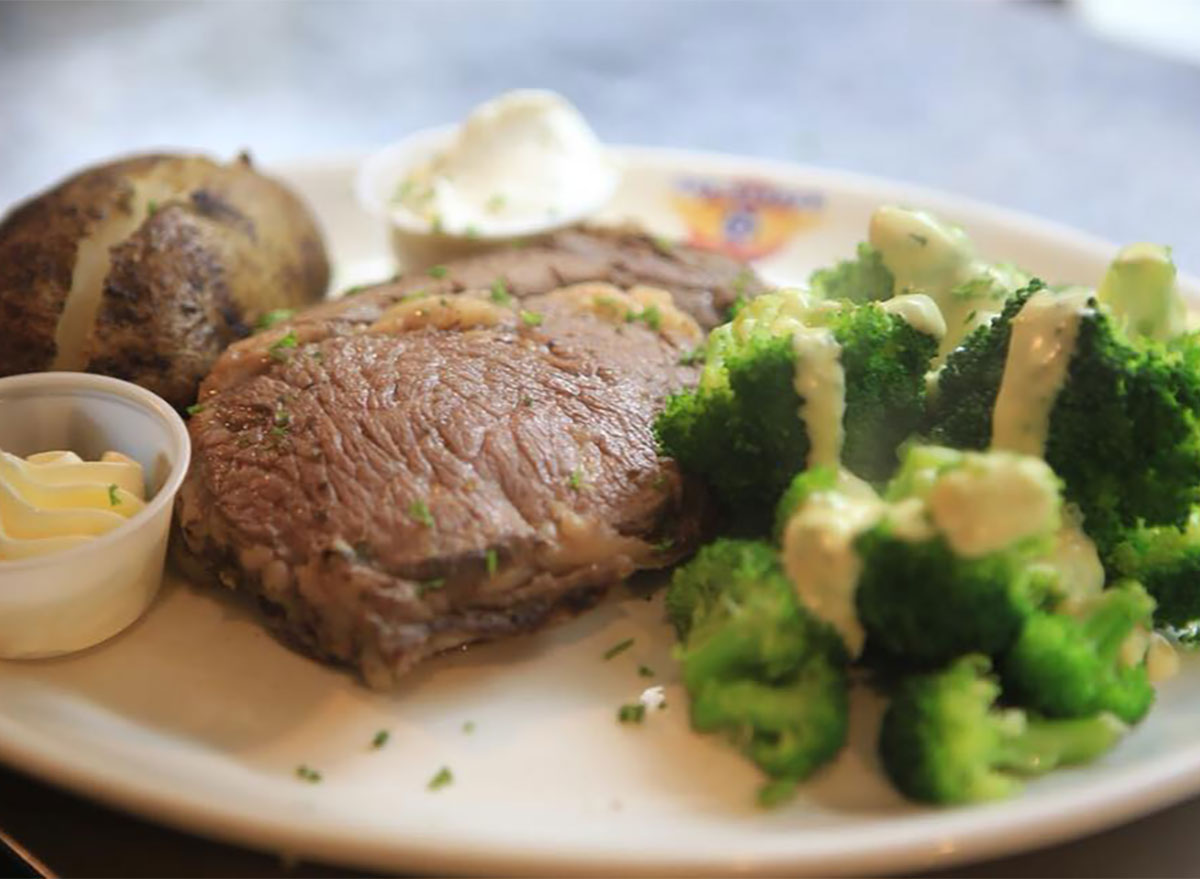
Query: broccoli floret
{"type": "Point", "coordinates": [1139, 287]}
{"type": "Point", "coordinates": [757, 667]}
{"type": "Point", "coordinates": [804, 486]}
{"type": "Point", "coordinates": [1067, 666]}
{"type": "Point", "coordinates": [743, 428]}
{"type": "Point", "coordinates": [1123, 429]}
{"type": "Point", "coordinates": [862, 279]}
{"type": "Point", "coordinates": [951, 567]}
{"type": "Point", "coordinates": [922, 603]}
{"type": "Point", "coordinates": [1166, 561]}
{"type": "Point", "coordinates": [944, 741]}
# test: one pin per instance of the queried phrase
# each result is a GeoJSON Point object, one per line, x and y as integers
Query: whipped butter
{"type": "Point", "coordinates": [53, 501]}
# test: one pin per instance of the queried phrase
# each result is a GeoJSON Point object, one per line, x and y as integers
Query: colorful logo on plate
{"type": "Point", "coordinates": [747, 219]}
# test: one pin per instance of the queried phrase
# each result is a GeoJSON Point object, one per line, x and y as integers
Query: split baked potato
{"type": "Point", "coordinates": [146, 268]}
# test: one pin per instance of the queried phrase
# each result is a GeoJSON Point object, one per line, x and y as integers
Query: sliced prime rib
{"type": "Point", "coordinates": [392, 477]}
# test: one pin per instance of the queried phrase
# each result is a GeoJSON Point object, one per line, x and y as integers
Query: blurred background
{"type": "Point", "coordinates": [1084, 112]}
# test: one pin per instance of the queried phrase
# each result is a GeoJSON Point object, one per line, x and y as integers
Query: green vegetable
{"type": "Point", "coordinates": [1124, 430]}
{"type": "Point", "coordinates": [618, 648]}
{"type": "Point", "coordinates": [645, 671]}
{"type": "Point", "coordinates": [419, 512]}
{"type": "Point", "coordinates": [531, 318]}
{"type": "Point", "coordinates": [279, 348]}
{"type": "Point", "coordinates": [1067, 666]}
{"type": "Point", "coordinates": [113, 498]}
{"type": "Point", "coordinates": [437, 271]}
{"type": "Point", "coordinates": [491, 562]}
{"type": "Point", "coordinates": [634, 712]}
{"type": "Point", "coordinates": [441, 779]}
{"type": "Point", "coordinates": [944, 741]}
{"type": "Point", "coordinates": [757, 667]}
{"type": "Point", "coordinates": [862, 279]}
{"type": "Point", "coordinates": [742, 429]}
{"type": "Point", "coordinates": [380, 739]}
{"type": "Point", "coordinates": [307, 773]}
{"type": "Point", "coordinates": [1139, 289]}
{"type": "Point", "coordinates": [277, 316]}
{"type": "Point", "coordinates": [921, 599]}
{"type": "Point", "coordinates": [195, 408]}
{"type": "Point", "coordinates": [500, 294]}
{"type": "Point", "coordinates": [1166, 560]}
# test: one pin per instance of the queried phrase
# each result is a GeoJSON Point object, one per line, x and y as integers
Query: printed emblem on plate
{"type": "Point", "coordinates": [745, 218]}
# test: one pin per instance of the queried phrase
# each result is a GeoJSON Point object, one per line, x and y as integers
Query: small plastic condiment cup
{"type": "Point", "coordinates": [415, 242]}
{"type": "Point", "coordinates": [67, 601]}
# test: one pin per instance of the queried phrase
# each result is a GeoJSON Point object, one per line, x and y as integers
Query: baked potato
{"type": "Point", "coordinates": [146, 268]}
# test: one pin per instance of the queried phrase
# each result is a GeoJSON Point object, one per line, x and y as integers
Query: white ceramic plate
{"type": "Point", "coordinates": [197, 718]}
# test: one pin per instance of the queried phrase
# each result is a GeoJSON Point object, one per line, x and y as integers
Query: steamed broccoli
{"type": "Point", "coordinates": [943, 741]}
{"type": "Point", "coordinates": [1166, 561]}
{"type": "Point", "coordinates": [756, 666]}
{"type": "Point", "coordinates": [1123, 431]}
{"type": "Point", "coordinates": [746, 428]}
{"type": "Point", "coordinates": [951, 566]}
{"type": "Point", "coordinates": [862, 279]}
{"type": "Point", "coordinates": [911, 251]}
{"type": "Point", "coordinates": [1067, 666]}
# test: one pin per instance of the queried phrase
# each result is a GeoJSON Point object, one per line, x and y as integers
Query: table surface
{"type": "Point", "coordinates": [1014, 104]}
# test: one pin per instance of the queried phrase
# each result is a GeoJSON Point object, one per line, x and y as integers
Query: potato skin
{"type": "Point", "coordinates": [223, 246]}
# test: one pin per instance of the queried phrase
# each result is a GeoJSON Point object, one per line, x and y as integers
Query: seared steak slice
{"type": "Point", "coordinates": [702, 284]}
{"type": "Point", "coordinates": [456, 471]}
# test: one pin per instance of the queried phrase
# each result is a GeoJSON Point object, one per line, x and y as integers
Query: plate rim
{"type": "Point", "coordinates": [921, 840]}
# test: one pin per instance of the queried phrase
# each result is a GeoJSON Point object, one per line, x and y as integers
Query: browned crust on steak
{"type": "Point", "coordinates": [437, 487]}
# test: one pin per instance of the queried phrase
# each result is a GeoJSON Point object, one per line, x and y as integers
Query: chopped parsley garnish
{"type": "Point", "coordinates": [660, 481]}
{"type": "Point", "coordinates": [403, 189]}
{"type": "Point", "coordinates": [430, 585]}
{"type": "Point", "coordinates": [663, 245]}
{"type": "Point", "coordinates": [276, 316]}
{"type": "Point", "coordinates": [496, 203]}
{"type": "Point", "coordinates": [500, 294]}
{"type": "Point", "coordinates": [920, 239]}
{"type": "Point", "coordinates": [113, 500]}
{"type": "Point", "coordinates": [531, 318]}
{"type": "Point", "coordinates": [279, 347]}
{"type": "Point", "coordinates": [740, 282]}
{"type": "Point", "coordinates": [634, 712]}
{"type": "Point", "coordinates": [380, 739]}
{"type": "Point", "coordinates": [443, 777]}
{"type": "Point", "coordinates": [418, 511]}
{"type": "Point", "coordinates": [151, 208]}
{"type": "Point", "coordinates": [575, 480]}
{"type": "Point", "coordinates": [195, 409]}
{"type": "Point", "coordinates": [307, 773]}
{"type": "Point", "coordinates": [283, 422]}
{"type": "Point", "coordinates": [491, 561]}
{"type": "Point", "coordinates": [437, 271]}
{"type": "Point", "coordinates": [618, 648]}
{"type": "Point", "coordinates": [527, 401]}
{"type": "Point", "coordinates": [971, 316]}
{"type": "Point", "coordinates": [469, 727]}
{"type": "Point", "coordinates": [651, 317]}
{"type": "Point", "coordinates": [645, 671]}
{"type": "Point", "coordinates": [665, 544]}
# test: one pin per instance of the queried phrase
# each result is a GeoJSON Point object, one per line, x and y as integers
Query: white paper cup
{"type": "Point", "coordinates": [58, 603]}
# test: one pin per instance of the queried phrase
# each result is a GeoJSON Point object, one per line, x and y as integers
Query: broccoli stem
{"type": "Point", "coordinates": [1045, 744]}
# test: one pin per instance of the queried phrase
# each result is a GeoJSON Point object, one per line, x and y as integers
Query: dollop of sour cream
{"type": "Point", "coordinates": [520, 162]}
{"type": "Point", "coordinates": [52, 501]}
